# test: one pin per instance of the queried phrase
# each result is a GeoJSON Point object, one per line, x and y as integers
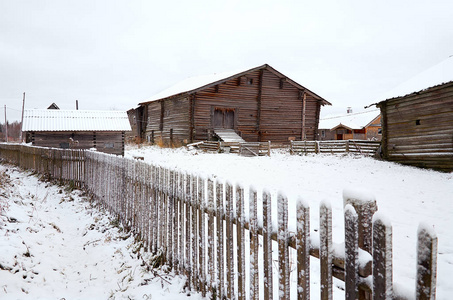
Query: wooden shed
{"type": "Point", "coordinates": [417, 120]}
{"type": "Point", "coordinates": [258, 104]}
{"type": "Point", "coordinates": [364, 125]}
{"type": "Point", "coordinates": [77, 129]}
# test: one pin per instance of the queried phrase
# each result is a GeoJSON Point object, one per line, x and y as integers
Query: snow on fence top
{"type": "Point", "coordinates": [75, 120]}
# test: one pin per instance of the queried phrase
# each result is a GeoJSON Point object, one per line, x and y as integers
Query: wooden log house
{"type": "Point", "coordinates": [77, 129]}
{"type": "Point", "coordinates": [417, 120]}
{"type": "Point", "coordinates": [259, 104]}
{"type": "Point", "coordinates": [364, 125]}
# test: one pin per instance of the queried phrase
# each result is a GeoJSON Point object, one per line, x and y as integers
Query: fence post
{"type": "Point", "coordinates": [325, 249]}
{"type": "Point", "coordinates": [240, 241]}
{"type": "Point", "coordinates": [382, 259]}
{"type": "Point", "coordinates": [351, 244]}
{"type": "Point", "coordinates": [267, 245]}
{"type": "Point", "coordinates": [283, 251]}
{"type": "Point", "coordinates": [188, 240]}
{"type": "Point", "coordinates": [303, 250]}
{"type": "Point", "coordinates": [426, 263]}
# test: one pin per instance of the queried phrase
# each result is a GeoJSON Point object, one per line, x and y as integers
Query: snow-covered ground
{"type": "Point", "coordinates": [55, 244]}
{"type": "Point", "coordinates": [407, 196]}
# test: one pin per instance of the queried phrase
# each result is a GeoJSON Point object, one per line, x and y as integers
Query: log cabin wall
{"type": "Point", "coordinates": [168, 119]}
{"type": "Point", "coordinates": [240, 95]}
{"type": "Point", "coordinates": [282, 110]}
{"type": "Point", "coordinates": [417, 129]}
{"type": "Point", "coordinates": [261, 106]}
{"type": "Point", "coordinates": [107, 142]}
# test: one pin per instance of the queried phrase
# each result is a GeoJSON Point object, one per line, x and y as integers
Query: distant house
{"type": "Point", "coordinates": [417, 120]}
{"type": "Point", "coordinates": [364, 125]}
{"type": "Point", "coordinates": [77, 129]}
{"type": "Point", "coordinates": [258, 104]}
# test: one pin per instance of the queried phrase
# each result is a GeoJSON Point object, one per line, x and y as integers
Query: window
{"type": "Point", "coordinates": [379, 131]}
{"type": "Point", "coordinates": [323, 133]}
{"type": "Point", "coordinates": [109, 145]}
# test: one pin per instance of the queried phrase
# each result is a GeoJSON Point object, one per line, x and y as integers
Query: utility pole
{"type": "Point", "coordinates": [22, 119]}
{"type": "Point", "coordinates": [6, 127]}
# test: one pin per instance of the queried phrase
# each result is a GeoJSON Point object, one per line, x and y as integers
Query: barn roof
{"type": "Point", "coordinates": [434, 76]}
{"type": "Point", "coordinates": [75, 120]}
{"type": "Point", "coordinates": [350, 121]}
{"type": "Point", "coordinates": [194, 84]}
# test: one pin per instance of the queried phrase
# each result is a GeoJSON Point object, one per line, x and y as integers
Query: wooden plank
{"type": "Point", "coordinates": [303, 250]}
{"type": "Point", "coordinates": [240, 216]}
{"type": "Point", "coordinates": [351, 221]}
{"type": "Point", "coordinates": [201, 235]}
{"type": "Point", "coordinates": [325, 250]}
{"type": "Point", "coordinates": [267, 245]}
{"type": "Point", "coordinates": [382, 260]}
{"type": "Point", "coordinates": [229, 240]}
{"type": "Point", "coordinates": [426, 263]}
{"type": "Point", "coordinates": [220, 234]}
{"type": "Point", "coordinates": [254, 246]}
{"type": "Point", "coordinates": [211, 236]}
{"type": "Point", "coordinates": [283, 251]}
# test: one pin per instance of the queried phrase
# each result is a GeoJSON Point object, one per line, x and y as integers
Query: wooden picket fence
{"type": "Point", "coordinates": [362, 147]}
{"type": "Point", "coordinates": [207, 229]}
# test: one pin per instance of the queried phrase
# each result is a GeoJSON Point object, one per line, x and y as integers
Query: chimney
{"type": "Point", "coordinates": [77, 104]}
{"type": "Point", "coordinates": [349, 110]}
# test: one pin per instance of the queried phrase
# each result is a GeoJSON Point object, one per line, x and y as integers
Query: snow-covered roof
{"type": "Point", "coordinates": [436, 75]}
{"type": "Point", "coordinates": [75, 120]}
{"type": "Point", "coordinates": [352, 120]}
{"type": "Point", "coordinates": [193, 84]}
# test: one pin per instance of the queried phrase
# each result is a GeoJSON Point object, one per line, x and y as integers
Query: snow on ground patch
{"type": "Point", "coordinates": [56, 244]}
{"type": "Point", "coordinates": [406, 195]}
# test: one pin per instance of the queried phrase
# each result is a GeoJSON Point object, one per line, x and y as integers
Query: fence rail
{"type": "Point", "coordinates": [362, 147]}
{"type": "Point", "coordinates": [202, 229]}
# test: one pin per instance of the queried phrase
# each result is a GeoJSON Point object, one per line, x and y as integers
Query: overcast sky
{"type": "Point", "coordinates": [115, 54]}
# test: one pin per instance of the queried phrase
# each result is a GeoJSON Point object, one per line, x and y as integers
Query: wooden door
{"type": "Point", "coordinates": [223, 118]}
{"type": "Point", "coordinates": [228, 118]}
{"type": "Point", "coordinates": [218, 118]}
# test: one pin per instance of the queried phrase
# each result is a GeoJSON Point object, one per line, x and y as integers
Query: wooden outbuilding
{"type": "Point", "coordinates": [417, 120]}
{"type": "Point", "coordinates": [77, 129]}
{"type": "Point", "coordinates": [258, 104]}
{"type": "Point", "coordinates": [364, 125]}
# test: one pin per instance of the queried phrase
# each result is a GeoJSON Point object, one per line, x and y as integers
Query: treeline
{"type": "Point", "coordinates": [13, 131]}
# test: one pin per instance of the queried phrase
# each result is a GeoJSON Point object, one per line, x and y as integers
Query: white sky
{"type": "Point", "coordinates": [115, 54]}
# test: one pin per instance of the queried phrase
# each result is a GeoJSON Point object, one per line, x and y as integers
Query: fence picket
{"type": "Point", "coordinates": [303, 251]}
{"type": "Point", "coordinates": [325, 249]}
{"type": "Point", "coordinates": [220, 235]}
{"type": "Point", "coordinates": [254, 247]}
{"type": "Point", "coordinates": [351, 252]}
{"type": "Point", "coordinates": [426, 263]}
{"type": "Point", "coordinates": [267, 245]}
{"type": "Point", "coordinates": [382, 260]}
{"type": "Point", "coordinates": [283, 251]}
{"type": "Point", "coordinates": [229, 240]}
{"type": "Point", "coordinates": [241, 241]}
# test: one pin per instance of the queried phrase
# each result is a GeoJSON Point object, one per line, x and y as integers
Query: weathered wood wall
{"type": "Point", "coordinates": [266, 107]}
{"type": "Point", "coordinates": [105, 141]}
{"type": "Point", "coordinates": [418, 128]}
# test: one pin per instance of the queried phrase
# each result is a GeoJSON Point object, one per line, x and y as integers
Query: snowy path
{"type": "Point", "coordinates": [55, 245]}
